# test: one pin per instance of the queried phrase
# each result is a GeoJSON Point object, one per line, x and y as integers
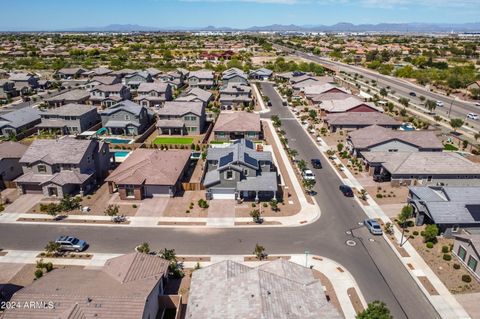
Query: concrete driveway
{"type": "Point", "coordinates": [23, 204]}
{"type": "Point", "coordinates": [152, 207]}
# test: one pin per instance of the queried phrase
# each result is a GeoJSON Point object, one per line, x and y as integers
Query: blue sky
{"type": "Point", "coordinates": [58, 14]}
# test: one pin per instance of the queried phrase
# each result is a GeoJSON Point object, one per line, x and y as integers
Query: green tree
{"type": "Point", "coordinates": [112, 210]}
{"type": "Point", "coordinates": [375, 310]}
{"type": "Point", "coordinates": [404, 101]}
{"type": "Point", "coordinates": [274, 205]}
{"type": "Point", "coordinates": [255, 214]}
{"type": "Point", "coordinates": [430, 233]}
{"type": "Point", "coordinates": [259, 252]}
{"type": "Point", "coordinates": [301, 165]}
{"type": "Point", "coordinates": [308, 184]}
{"type": "Point", "coordinates": [430, 105]}
{"type": "Point", "coordinates": [143, 248]}
{"type": "Point", "coordinates": [168, 254]}
{"type": "Point", "coordinates": [456, 123]}
{"type": "Point", "coordinates": [383, 92]}
{"type": "Point", "coordinates": [52, 247]}
{"type": "Point", "coordinates": [405, 215]}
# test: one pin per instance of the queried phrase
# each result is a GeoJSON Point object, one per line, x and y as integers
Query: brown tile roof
{"type": "Point", "coordinates": [237, 122]}
{"type": "Point", "coordinates": [151, 167]}
{"type": "Point", "coordinates": [12, 150]}
{"type": "Point", "coordinates": [134, 267]}
{"type": "Point", "coordinates": [360, 118]}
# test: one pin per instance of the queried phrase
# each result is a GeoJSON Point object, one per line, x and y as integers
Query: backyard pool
{"type": "Point", "coordinates": [120, 154]}
{"type": "Point", "coordinates": [407, 127]}
{"type": "Point", "coordinates": [114, 140]}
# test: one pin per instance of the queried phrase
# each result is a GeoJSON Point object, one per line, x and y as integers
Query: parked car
{"type": "Point", "coordinates": [316, 163]}
{"type": "Point", "coordinates": [308, 175]}
{"type": "Point", "coordinates": [412, 94]}
{"type": "Point", "coordinates": [69, 243]}
{"type": "Point", "coordinates": [477, 104]}
{"type": "Point", "coordinates": [346, 190]}
{"type": "Point", "coordinates": [472, 116]}
{"type": "Point", "coordinates": [439, 103]}
{"type": "Point", "coordinates": [373, 226]}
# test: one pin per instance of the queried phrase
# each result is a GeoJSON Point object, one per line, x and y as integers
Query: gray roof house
{"type": "Point", "coordinates": [126, 287]}
{"type": "Point", "coordinates": [19, 121]}
{"type": "Point", "coordinates": [278, 289]}
{"type": "Point", "coordinates": [357, 120]}
{"type": "Point", "coordinates": [105, 79]}
{"type": "Point", "coordinates": [7, 89]}
{"type": "Point", "coordinates": [261, 74]}
{"type": "Point", "coordinates": [376, 138]}
{"type": "Point", "coordinates": [195, 95]}
{"type": "Point", "coordinates": [234, 75]}
{"type": "Point", "coordinates": [350, 104]}
{"type": "Point", "coordinates": [57, 167]}
{"type": "Point", "coordinates": [450, 208]}
{"type": "Point", "coordinates": [69, 119]}
{"type": "Point", "coordinates": [24, 82]}
{"type": "Point", "coordinates": [108, 95]}
{"type": "Point", "coordinates": [153, 94]}
{"type": "Point", "coordinates": [423, 168]}
{"type": "Point", "coordinates": [235, 94]}
{"type": "Point", "coordinates": [100, 71]}
{"type": "Point", "coordinates": [204, 79]}
{"type": "Point", "coordinates": [466, 248]}
{"type": "Point", "coordinates": [135, 79]}
{"type": "Point", "coordinates": [74, 96]}
{"type": "Point", "coordinates": [239, 171]}
{"type": "Point", "coordinates": [10, 168]}
{"type": "Point", "coordinates": [69, 73]}
{"type": "Point", "coordinates": [179, 118]}
{"type": "Point", "coordinates": [237, 125]}
{"type": "Point", "coordinates": [126, 118]}
{"type": "Point", "coordinates": [175, 78]}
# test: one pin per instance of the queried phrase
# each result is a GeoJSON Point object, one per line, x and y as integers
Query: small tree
{"type": "Point", "coordinates": [301, 165]}
{"type": "Point", "coordinates": [383, 92]}
{"type": "Point", "coordinates": [404, 215]}
{"type": "Point", "coordinates": [168, 254]}
{"type": "Point", "coordinates": [308, 184]}
{"type": "Point", "coordinates": [404, 101]}
{"type": "Point", "coordinates": [143, 248]}
{"type": "Point", "coordinates": [375, 310]}
{"type": "Point", "coordinates": [52, 247]}
{"type": "Point", "coordinates": [112, 210]}
{"type": "Point", "coordinates": [339, 147]}
{"type": "Point", "coordinates": [456, 123]}
{"type": "Point", "coordinates": [274, 205]}
{"type": "Point", "coordinates": [69, 203]}
{"type": "Point", "coordinates": [430, 233]}
{"type": "Point", "coordinates": [259, 252]}
{"type": "Point", "coordinates": [430, 105]}
{"type": "Point", "coordinates": [255, 214]}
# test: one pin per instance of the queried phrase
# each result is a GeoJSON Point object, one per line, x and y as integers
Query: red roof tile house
{"type": "Point", "coordinates": [148, 173]}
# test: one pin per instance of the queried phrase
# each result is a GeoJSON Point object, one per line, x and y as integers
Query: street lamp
{"type": "Point", "coordinates": [306, 257]}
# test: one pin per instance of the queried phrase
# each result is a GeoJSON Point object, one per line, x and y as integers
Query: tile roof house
{"type": "Point", "coordinates": [358, 120]}
{"type": "Point", "coordinates": [423, 168]}
{"type": "Point", "coordinates": [237, 125]}
{"type": "Point", "coordinates": [235, 95]}
{"type": "Point", "coordinates": [108, 95]}
{"type": "Point", "coordinates": [135, 79]}
{"type": "Point", "coordinates": [100, 71]}
{"type": "Point", "coordinates": [376, 138]}
{"type": "Point", "coordinates": [69, 73]}
{"type": "Point", "coordinates": [175, 78]}
{"type": "Point", "coordinates": [153, 94]}
{"type": "Point", "coordinates": [147, 173]}
{"type": "Point", "coordinates": [204, 79]}
{"type": "Point", "coordinates": [239, 171]}
{"type": "Point", "coordinates": [105, 80]}
{"type": "Point", "coordinates": [63, 166]}
{"type": "Point", "coordinates": [10, 168]}
{"type": "Point", "coordinates": [74, 96]}
{"type": "Point", "coordinates": [179, 118]}
{"type": "Point", "coordinates": [350, 104]}
{"type": "Point", "coordinates": [24, 82]}
{"type": "Point", "coordinates": [126, 287]}
{"type": "Point", "coordinates": [195, 95]}
{"type": "Point", "coordinates": [126, 118]}
{"type": "Point", "coordinates": [466, 248]}
{"type": "Point", "coordinates": [261, 74]}
{"type": "Point", "coordinates": [7, 90]}
{"type": "Point", "coordinates": [449, 207]}
{"type": "Point", "coordinates": [69, 119]}
{"type": "Point", "coordinates": [234, 75]}
{"type": "Point", "coordinates": [278, 289]}
{"type": "Point", "coordinates": [19, 121]}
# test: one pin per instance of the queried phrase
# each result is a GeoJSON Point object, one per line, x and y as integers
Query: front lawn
{"type": "Point", "coordinates": [449, 147]}
{"type": "Point", "coordinates": [173, 140]}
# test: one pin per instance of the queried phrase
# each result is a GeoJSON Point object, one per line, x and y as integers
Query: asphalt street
{"type": "Point", "coordinates": [374, 265]}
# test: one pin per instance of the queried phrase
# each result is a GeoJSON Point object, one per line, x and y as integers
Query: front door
{"type": "Point", "coordinates": [52, 191]}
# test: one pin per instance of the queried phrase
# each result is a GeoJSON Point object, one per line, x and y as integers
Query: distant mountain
{"type": "Point", "coordinates": [339, 27]}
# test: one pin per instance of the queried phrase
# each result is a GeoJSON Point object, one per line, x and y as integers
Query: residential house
{"type": "Point", "coordinates": [176, 79]}
{"type": "Point", "coordinates": [10, 168]}
{"type": "Point", "coordinates": [358, 120]}
{"type": "Point", "coordinates": [69, 73]}
{"type": "Point", "coordinates": [452, 209]}
{"type": "Point", "coordinates": [99, 80]}
{"type": "Point", "coordinates": [239, 171]}
{"type": "Point", "coordinates": [466, 248]}
{"type": "Point", "coordinates": [262, 74]}
{"type": "Point", "coordinates": [123, 72]}
{"type": "Point", "coordinates": [147, 173]}
{"type": "Point", "coordinates": [195, 95]}
{"type": "Point", "coordinates": [24, 82]}
{"type": "Point", "coordinates": [326, 91]}
{"type": "Point", "coordinates": [134, 80]}
{"type": "Point", "coordinates": [126, 118]}
{"type": "Point", "coordinates": [376, 138]}
{"type": "Point", "coordinates": [19, 122]}
{"type": "Point", "coordinates": [181, 118]}
{"type": "Point", "coordinates": [128, 286]}
{"type": "Point", "coordinates": [423, 168]}
{"type": "Point", "coordinates": [300, 83]}
{"type": "Point", "coordinates": [7, 90]}
{"type": "Point", "coordinates": [474, 85]}
{"type": "Point", "coordinates": [350, 104]}
{"type": "Point", "coordinates": [234, 76]}
{"type": "Point", "coordinates": [237, 125]}
{"type": "Point", "coordinates": [69, 119]}
{"type": "Point", "coordinates": [277, 289]}
{"type": "Point", "coordinates": [153, 72]}
{"type": "Point", "coordinates": [204, 79]}
{"type": "Point", "coordinates": [235, 95]}
{"type": "Point", "coordinates": [74, 96]}
{"type": "Point", "coordinates": [288, 76]}
{"type": "Point", "coordinates": [108, 95]}
{"type": "Point", "coordinates": [64, 166]}
{"type": "Point", "coordinates": [100, 71]}
{"type": "Point", "coordinates": [153, 94]}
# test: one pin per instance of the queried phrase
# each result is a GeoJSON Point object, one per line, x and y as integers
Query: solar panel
{"type": "Point", "coordinates": [250, 160]}
{"type": "Point", "coordinates": [224, 160]}
{"type": "Point", "coordinates": [249, 144]}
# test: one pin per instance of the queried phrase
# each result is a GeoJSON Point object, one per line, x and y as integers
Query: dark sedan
{"type": "Point", "coordinates": [316, 163]}
{"type": "Point", "coordinates": [346, 190]}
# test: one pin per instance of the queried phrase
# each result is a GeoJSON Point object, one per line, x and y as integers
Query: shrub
{"type": "Point", "coordinates": [415, 233]}
{"type": "Point", "coordinates": [430, 245]}
{"type": "Point", "coordinates": [466, 278]}
{"type": "Point", "coordinates": [134, 206]}
{"type": "Point", "coordinates": [445, 249]}
{"type": "Point", "coordinates": [447, 257]}
{"type": "Point", "coordinates": [265, 205]}
{"type": "Point", "coordinates": [430, 234]}
{"type": "Point", "coordinates": [456, 266]}
{"type": "Point", "coordinates": [379, 195]}
{"type": "Point", "coordinates": [202, 203]}
{"type": "Point", "coordinates": [39, 273]}
{"type": "Point", "coordinates": [48, 266]}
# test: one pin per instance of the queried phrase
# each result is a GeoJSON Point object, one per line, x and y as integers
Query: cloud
{"type": "Point", "coordinates": [367, 3]}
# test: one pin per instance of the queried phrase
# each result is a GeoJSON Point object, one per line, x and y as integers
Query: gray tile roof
{"type": "Point", "coordinates": [12, 150]}
{"type": "Point", "coordinates": [262, 183]}
{"type": "Point", "coordinates": [202, 74]}
{"type": "Point", "coordinates": [345, 105]}
{"type": "Point", "coordinates": [73, 96]}
{"type": "Point", "coordinates": [192, 93]}
{"type": "Point", "coordinates": [20, 117]}
{"type": "Point", "coordinates": [64, 150]}
{"type": "Point", "coordinates": [181, 108]}
{"type": "Point", "coordinates": [70, 109]}
{"type": "Point", "coordinates": [145, 88]}
{"type": "Point", "coordinates": [126, 105]}
{"type": "Point", "coordinates": [231, 290]}
{"type": "Point", "coordinates": [117, 87]}
{"type": "Point", "coordinates": [237, 122]}
{"type": "Point", "coordinates": [361, 118]}
{"type": "Point", "coordinates": [261, 72]}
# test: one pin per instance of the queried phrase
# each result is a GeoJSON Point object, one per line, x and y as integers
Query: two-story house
{"type": "Point", "coordinates": [240, 172]}
{"type": "Point", "coordinates": [74, 96]}
{"type": "Point", "coordinates": [7, 90]}
{"type": "Point", "coordinates": [64, 166]}
{"type": "Point", "coordinates": [69, 73]}
{"type": "Point", "coordinates": [175, 78]}
{"type": "Point", "coordinates": [153, 94]}
{"type": "Point", "coordinates": [235, 95]}
{"type": "Point", "coordinates": [134, 80]}
{"type": "Point", "coordinates": [108, 95]}
{"type": "Point", "coordinates": [24, 82]}
{"type": "Point", "coordinates": [10, 168]}
{"type": "Point", "coordinates": [19, 121]}
{"type": "Point", "coordinates": [204, 79]}
{"type": "Point", "coordinates": [126, 118]}
{"type": "Point", "coordinates": [195, 95]}
{"type": "Point", "coordinates": [237, 125]}
{"type": "Point", "coordinates": [99, 80]}
{"type": "Point", "coordinates": [180, 118]}
{"type": "Point", "coordinates": [234, 75]}
{"type": "Point", "coordinates": [69, 119]}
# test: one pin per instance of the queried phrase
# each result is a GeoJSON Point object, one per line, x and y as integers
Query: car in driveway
{"type": "Point", "coordinates": [346, 190]}
{"type": "Point", "coordinates": [412, 94]}
{"type": "Point", "coordinates": [472, 116]}
{"type": "Point", "coordinates": [308, 175]}
{"type": "Point", "coordinates": [373, 226]}
{"type": "Point", "coordinates": [316, 163]}
{"type": "Point", "coordinates": [70, 243]}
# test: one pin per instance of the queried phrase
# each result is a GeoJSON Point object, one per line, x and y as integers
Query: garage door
{"type": "Point", "coordinates": [32, 189]}
{"type": "Point", "coordinates": [223, 193]}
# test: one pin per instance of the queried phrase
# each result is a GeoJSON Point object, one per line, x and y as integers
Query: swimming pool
{"type": "Point", "coordinates": [121, 153]}
{"type": "Point", "coordinates": [407, 127]}
{"type": "Point", "coordinates": [114, 140]}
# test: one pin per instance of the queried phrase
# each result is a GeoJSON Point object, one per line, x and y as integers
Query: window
{"type": "Point", "coordinates": [229, 175]}
{"type": "Point", "coordinates": [429, 178]}
{"type": "Point", "coordinates": [129, 191]}
{"type": "Point", "coordinates": [455, 228]}
{"type": "Point", "coordinates": [127, 117]}
{"type": "Point", "coordinates": [42, 168]}
{"type": "Point", "coordinates": [472, 263]}
{"type": "Point", "coordinates": [245, 172]}
{"type": "Point", "coordinates": [461, 253]}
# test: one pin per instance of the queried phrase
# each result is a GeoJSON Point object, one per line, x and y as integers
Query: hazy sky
{"type": "Point", "coordinates": [58, 14]}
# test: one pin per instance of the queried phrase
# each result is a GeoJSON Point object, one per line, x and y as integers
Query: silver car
{"type": "Point", "coordinates": [69, 243]}
{"type": "Point", "coordinates": [373, 226]}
